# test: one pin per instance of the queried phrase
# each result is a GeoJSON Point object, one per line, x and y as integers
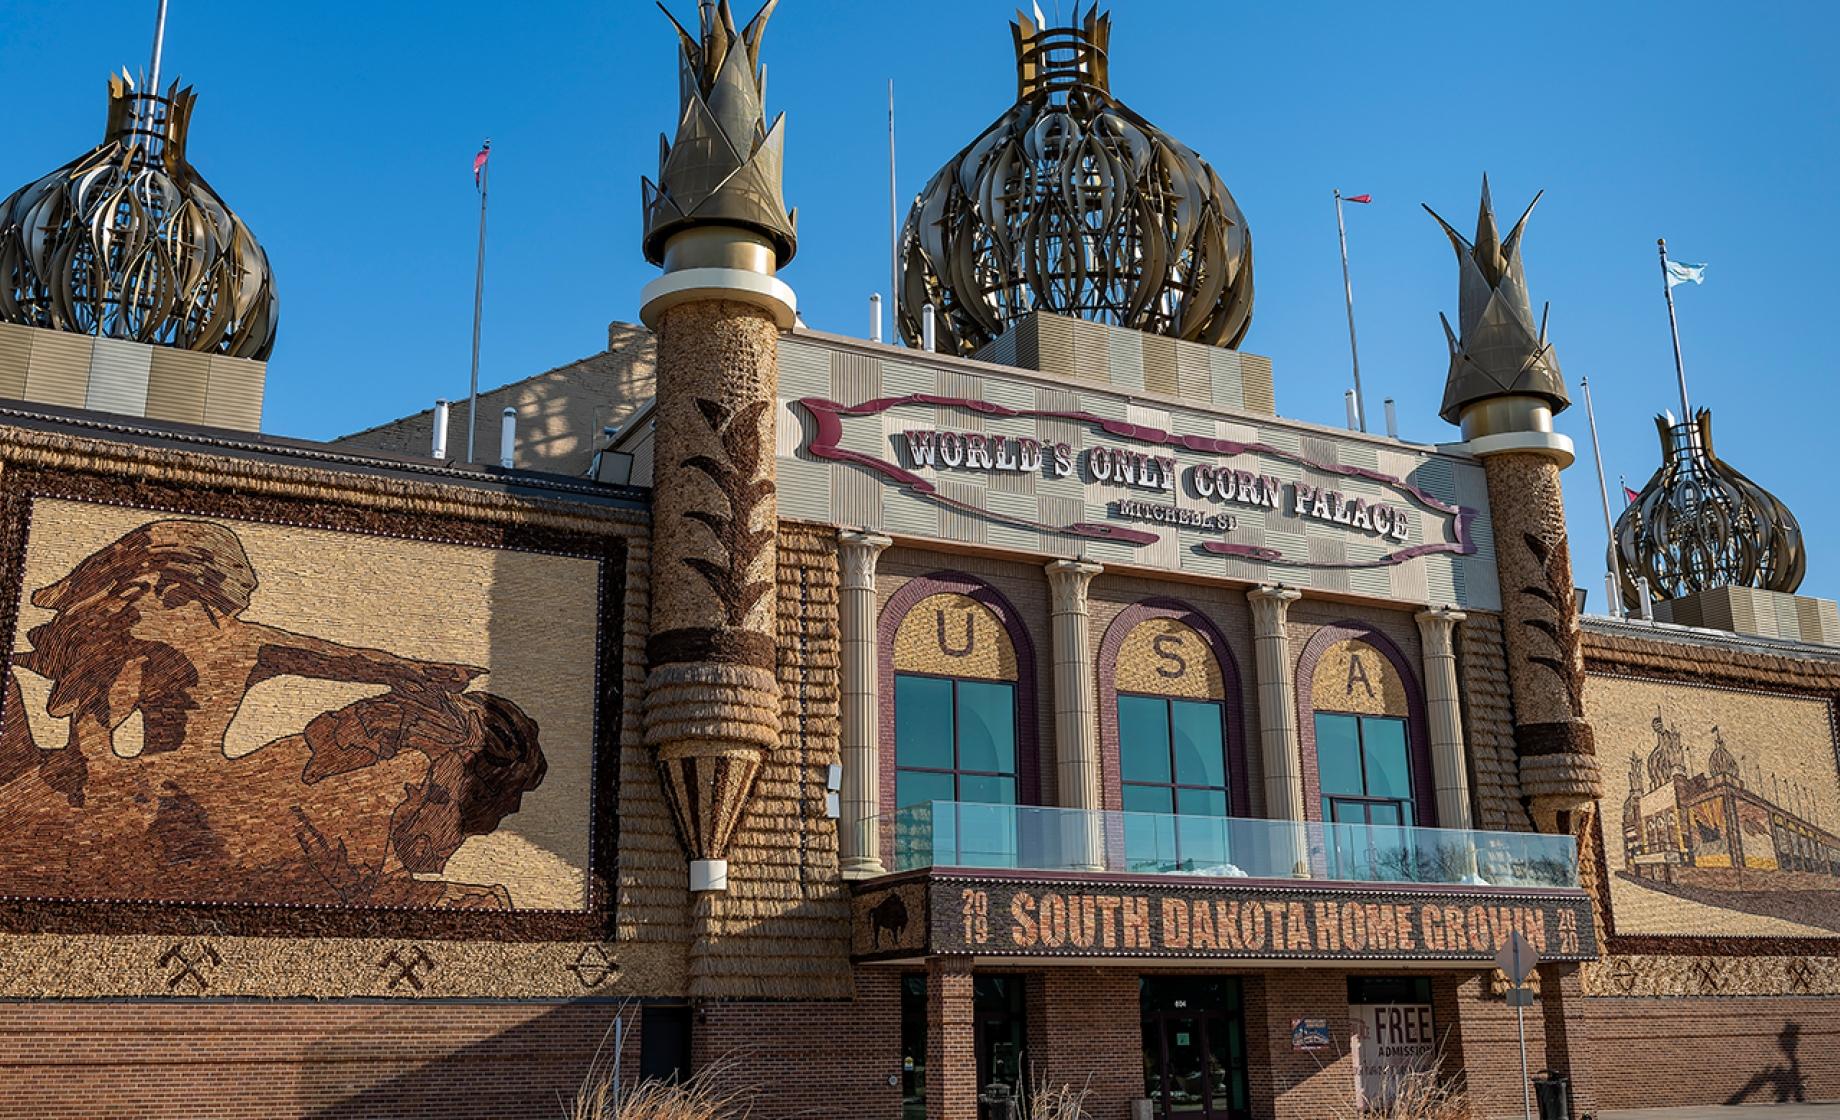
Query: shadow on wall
{"type": "Point", "coordinates": [1779, 1084]}
{"type": "Point", "coordinates": [530, 1070]}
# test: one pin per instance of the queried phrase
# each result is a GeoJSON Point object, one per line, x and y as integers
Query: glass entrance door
{"type": "Point", "coordinates": [1000, 1033]}
{"type": "Point", "coordinates": [1194, 1048]}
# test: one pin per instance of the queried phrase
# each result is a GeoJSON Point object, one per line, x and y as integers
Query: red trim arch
{"type": "Point", "coordinates": [1239, 785]}
{"type": "Point", "coordinates": [1418, 729]}
{"type": "Point", "coordinates": [1028, 746]}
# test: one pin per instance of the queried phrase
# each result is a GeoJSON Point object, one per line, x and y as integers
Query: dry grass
{"type": "Point", "coordinates": [1042, 1100]}
{"type": "Point", "coordinates": [604, 1094]}
{"type": "Point", "coordinates": [1418, 1093]}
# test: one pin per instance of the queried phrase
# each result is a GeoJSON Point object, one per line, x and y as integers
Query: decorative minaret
{"type": "Point", "coordinates": [716, 223]}
{"type": "Point", "coordinates": [1503, 389]}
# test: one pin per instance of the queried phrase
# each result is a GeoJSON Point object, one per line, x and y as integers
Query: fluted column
{"type": "Point", "coordinates": [1278, 749]}
{"type": "Point", "coordinates": [1076, 726]}
{"type": "Point", "coordinates": [1449, 769]}
{"type": "Point", "coordinates": [858, 833]}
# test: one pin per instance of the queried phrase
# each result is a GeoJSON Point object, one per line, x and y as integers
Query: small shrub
{"type": "Point", "coordinates": [1042, 1100]}
{"type": "Point", "coordinates": [1414, 1094]}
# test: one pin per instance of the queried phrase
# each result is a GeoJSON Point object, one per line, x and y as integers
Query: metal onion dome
{"type": "Point", "coordinates": [1073, 204]}
{"type": "Point", "coordinates": [1699, 523]}
{"type": "Point", "coordinates": [128, 241]}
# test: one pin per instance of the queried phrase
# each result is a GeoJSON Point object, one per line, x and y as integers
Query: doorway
{"type": "Point", "coordinates": [999, 1038]}
{"type": "Point", "coordinates": [1194, 1031]}
{"type": "Point", "coordinates": [1001, 1030]}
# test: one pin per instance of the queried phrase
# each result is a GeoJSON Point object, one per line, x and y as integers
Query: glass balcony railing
{"type": "Point", "coordinates": [1037, 838]}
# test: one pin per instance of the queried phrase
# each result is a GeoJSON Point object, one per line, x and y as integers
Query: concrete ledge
{"type": "Point", "coordinates": [691, 285]}
{"type": "Point", "coordinates": [1550, 444]}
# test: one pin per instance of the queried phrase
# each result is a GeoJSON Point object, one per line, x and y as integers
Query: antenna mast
{"type": "Point", "coordinates": [894, 223]}
{"type": "Point", "coordinates": [159, 49]}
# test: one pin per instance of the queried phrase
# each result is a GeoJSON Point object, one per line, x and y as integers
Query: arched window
{"type": "Point", "coordinates": [1367, 760]}
{"type": "Point", "coordinates": [1174, 761]}
{"type": "Point", "coordinates": [957, 681]}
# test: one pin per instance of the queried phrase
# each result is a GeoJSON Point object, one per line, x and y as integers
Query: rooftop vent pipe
{"type": "Point", "coordinates": [875, 317]}
{"type": "Point", "coordinates": [507, 438]}
{"type": "Point", "coordinates": [439, 450]}
{"type": "Point", "coordinates": [929, 328]}
{"type": "Point", "coordinates": [1392, 419]}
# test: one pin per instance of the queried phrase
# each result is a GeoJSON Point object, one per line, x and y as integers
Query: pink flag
{"type": "Point", "coordinates": [1363, 199]}
{"type": "Point", "coordinates": [479, 161]}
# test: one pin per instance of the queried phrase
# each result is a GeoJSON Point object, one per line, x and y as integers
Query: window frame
{"type": "Point", "coordinates": [1409, 804]}
{"type": "Point", "coordinates": [1014, 776]}
{"type": "Point", "coordinates": [1175, 784]}
{"type": "Point", "coordinates": [1418, 728]}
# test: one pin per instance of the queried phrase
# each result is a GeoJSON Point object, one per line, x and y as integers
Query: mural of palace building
{"type": "Point", "coordinates": [884, 730]}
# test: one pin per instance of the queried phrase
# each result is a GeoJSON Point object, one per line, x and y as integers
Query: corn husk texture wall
{"type": "Point", "coordinates": [781, 930]}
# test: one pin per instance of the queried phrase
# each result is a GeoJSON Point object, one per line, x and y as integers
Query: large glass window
{"type": "Point", "coordinates": [1363, 764]}
{"type": "Point", "coordinates": [1172, 761]}
{"type": "Point", "coordinates": [954, 740]}
{"type": "Point", "coordinates": [1365, 769]}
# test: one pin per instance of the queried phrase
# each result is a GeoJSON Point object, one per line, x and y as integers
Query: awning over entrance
{"type": "Point", "coordinates": [943, 911]}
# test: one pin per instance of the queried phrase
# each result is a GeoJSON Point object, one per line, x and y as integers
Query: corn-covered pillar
{"type": "Point", "coordinates": [716, 223]}
{"type": "Point", "coordinates": [1504, 387]}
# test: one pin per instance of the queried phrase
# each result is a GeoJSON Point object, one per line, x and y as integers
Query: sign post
{"type": "Point", "coordinates": [1518, 959]}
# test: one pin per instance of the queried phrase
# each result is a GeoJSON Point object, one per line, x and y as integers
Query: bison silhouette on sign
{"type": "Point", "coordinates": [363, 806]}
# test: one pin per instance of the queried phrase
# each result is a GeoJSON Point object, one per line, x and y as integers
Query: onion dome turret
{"type": "Point", "coordinates": [1699, 523]}
{"type": "Point", "coordinates": [1073, 204]}
{"type": "Point", "coordinates": [128, 241]}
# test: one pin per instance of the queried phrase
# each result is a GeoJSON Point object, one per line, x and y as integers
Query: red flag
{"type": "Point", "coordinates": [1629, 495]}
{"type": "Point", "coordinates": [479, 161]}
{"type": "Point", "coordinates": [1363, 199]}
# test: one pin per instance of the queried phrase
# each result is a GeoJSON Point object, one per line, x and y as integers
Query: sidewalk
{"type": "Point", "coordinates": [1743, 1112]}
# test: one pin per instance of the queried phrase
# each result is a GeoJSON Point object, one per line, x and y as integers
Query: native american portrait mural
{"type": "Point", "coordinates": [204, 710]}
{"type": "Point", "coordinates": [1719, 810]}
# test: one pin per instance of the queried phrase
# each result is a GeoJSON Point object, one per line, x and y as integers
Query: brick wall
{"type": "Point", "coordinates": [812, 1060]}
{"type": "Point", "coordinates": [1294, 1084]}
{"type": "Point", "coordinates": [1739, 1050]}
{"type": "Point", "coordinates": [1085, 1033]}
{"type": "Point", "coordinates": [951, 1055]}
{"type": "Point", "coordinates": [113, 1060]}
{"type": "Point", "coordinates": [1487, 1039]}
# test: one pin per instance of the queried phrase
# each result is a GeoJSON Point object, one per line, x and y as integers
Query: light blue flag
{"type": "Point", "coordinates": [1680, 272]}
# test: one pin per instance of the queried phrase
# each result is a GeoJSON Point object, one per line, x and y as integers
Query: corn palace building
{"type": "Point", "coordinates": [889, 730]}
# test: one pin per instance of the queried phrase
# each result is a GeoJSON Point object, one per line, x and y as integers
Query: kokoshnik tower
{"type": "Point", "coordinates": [891, 732]}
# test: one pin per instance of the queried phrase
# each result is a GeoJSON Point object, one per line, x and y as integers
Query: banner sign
{"type": "Point", "coordinates": [1157, 474]}
{"type": "Point", "coordinates": [1391, 1041]}
{"type": "Point", "coordinates": [960, 914]}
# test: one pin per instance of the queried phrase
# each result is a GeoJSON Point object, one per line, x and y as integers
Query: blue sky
{"type": "Point", "coordinates": [344, 132]}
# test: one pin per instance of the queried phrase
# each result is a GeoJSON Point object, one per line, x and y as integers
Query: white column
{"type": "Point", "coordinates": [1448, 765]}
{"type": "Point", "coordinates": [1278, 745]}
{"type": "Point", "coordinates": [1076, 727]}
{"type": "Point", "coordinates": [858, 833]}
{"type": "Point", "coordinates": [1278, 748]}
{"type": "Point", "coordinates": [1076, 730]}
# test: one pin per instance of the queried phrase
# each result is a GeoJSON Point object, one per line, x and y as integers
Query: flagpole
{"type": "Point", "coordinates": [1354, 351]}
{"type": "Point", "coordinates": [894, 228]}
{"type": "Point", "coordinates": [479, 291]}
{"type": "Point", "coordinates": [1680, 369]}
{"type": "Point", "coordinates": [1603, 489]}
{"type": "Point", "coordinates": [152, 77]}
